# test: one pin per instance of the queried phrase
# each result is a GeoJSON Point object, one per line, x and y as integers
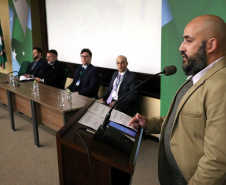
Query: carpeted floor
{"type": "Point", "coordinates": [21, 163]}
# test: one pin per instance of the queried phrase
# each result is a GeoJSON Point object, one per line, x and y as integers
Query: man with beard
{"type": "Point", "coordinates": [53, 73]}
{"type": "Point", "coordinates": [193, 133]}
{"type": "Point", "coordinates": [38, 64]}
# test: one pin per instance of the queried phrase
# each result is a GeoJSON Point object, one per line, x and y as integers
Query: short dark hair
{"type": "Point", "coordinates": [38, 49]}
{"type": "Point", "coordinates": [86, 50]}
{"type": "Point", "coordinates": [53, 51]}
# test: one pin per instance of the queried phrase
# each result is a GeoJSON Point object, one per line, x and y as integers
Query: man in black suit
{"type": "Point", "coordinates": [86, 80]}
{"type": "Point", "coordinates": [53, 73]}
{"type": "Point", "coordinates": [38, 64]}
{"type": "Point", "coordinates": [121, 83]}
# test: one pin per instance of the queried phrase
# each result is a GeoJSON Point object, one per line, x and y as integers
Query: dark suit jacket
{"type": "Point", "coordinates": [128, 83]}
{"type": "Point", "coordinates": [40, 65]}
{"type": "Point", "coordinates": [89, 82]}
{"type": "Point", "coordinates": [53, 74]}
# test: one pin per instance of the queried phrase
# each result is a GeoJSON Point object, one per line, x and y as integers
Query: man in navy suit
{"type": "Point", "coordinates": [86, 80]}
{"type": "Point", "coordinates": [38, 64]}
{"type": "Point", "coordinates": [121, 83]}
{"type": "Point", "coordinates": [53, 73]}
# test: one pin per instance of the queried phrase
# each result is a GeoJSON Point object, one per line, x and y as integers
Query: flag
{"type": "Point", "coordinates": [21, 32]}
{"type": "Point", "coordinates": [3, 57]}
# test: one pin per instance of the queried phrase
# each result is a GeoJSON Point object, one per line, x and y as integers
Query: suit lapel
{"type": "Point", "coordinates": [219, 65]}
{"type": "Point", "coordinates": [86, 71]}
{"type": "Point", "coordinates": [124, 78]}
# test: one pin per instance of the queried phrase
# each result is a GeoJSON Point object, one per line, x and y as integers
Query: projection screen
{"type": "Point", "coordinates": [108, 28]}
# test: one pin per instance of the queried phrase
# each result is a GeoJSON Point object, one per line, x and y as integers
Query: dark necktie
{"type": "Point", "coordinates": [34, 64]}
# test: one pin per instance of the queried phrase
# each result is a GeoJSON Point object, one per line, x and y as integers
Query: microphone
{"type": "Point", "coordinates": [169, 70]}
{"type": "Point", "coordinates": [112, 136]}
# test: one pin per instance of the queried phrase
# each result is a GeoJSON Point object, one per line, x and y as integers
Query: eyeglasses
{"type": "Point", "coordinates": [82, 56]}
{"type": "Point", "coordinates": [118, 63]}
{"type": "Point", "coordinates": [49, 57]}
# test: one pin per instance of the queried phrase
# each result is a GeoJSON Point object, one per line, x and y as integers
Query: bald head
{"type": "Point", "coordinates": [207, 32]}
{"type": "Point", "coordinates": [121, 63]}
{"type": "Point", "coordinates": [123, 57]}
{"type": "Point", "coordinates": [210, 26]}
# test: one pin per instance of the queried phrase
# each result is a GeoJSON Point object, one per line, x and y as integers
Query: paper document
{"type": "Point", "coordinates": [24, 78]}
{"type": "Point", "coordinates": [95, 115]}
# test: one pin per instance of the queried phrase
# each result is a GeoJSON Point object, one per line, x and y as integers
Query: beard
{"type": "Point", "coordinates": [35, 58]}
{"type": "Point", "coordinates": [197, 62]}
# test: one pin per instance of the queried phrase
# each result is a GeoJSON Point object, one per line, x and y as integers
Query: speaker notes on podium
{"type": "Point", "coordinates": [95, 115]}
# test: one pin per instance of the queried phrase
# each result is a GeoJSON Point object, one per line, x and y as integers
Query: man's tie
{"type": "Point", "coordinates": [33, 66]}
{"type": "Point", "coordinates": [109, 100]}
{"type": "Point", "coordinates": [83, 69]}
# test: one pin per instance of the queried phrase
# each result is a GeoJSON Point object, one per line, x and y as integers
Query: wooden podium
{"type": "Point", "coordinates": [109, 166]}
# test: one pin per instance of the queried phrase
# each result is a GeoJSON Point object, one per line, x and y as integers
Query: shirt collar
{"type": "Point", "coordinates": [124, 72]}
{"type": "Point", "coordinates": [85, 66]}
{"type": "Point", "coordinates": [52, 63]}
{"type": "Point", "coordinates": [202, 72]}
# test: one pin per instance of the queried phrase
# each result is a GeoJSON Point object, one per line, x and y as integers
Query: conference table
{"type": "Point", "coordinates": [44, 108]}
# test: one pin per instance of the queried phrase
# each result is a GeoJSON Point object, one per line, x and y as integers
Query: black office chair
{"type": "Point", "coordinates": [24, 67]}
{"type": "Point", "coordinates": [63, 82]}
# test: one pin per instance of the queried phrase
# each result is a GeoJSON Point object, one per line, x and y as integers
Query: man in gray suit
{"type": "Point", "coordinates": [192, 145]}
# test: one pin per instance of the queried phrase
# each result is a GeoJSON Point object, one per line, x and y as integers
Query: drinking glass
{"type": "Point", "coordinates": [17, 81]}
{"type": "Point", "coordinates": [61, 98]}
{"type": "Point", "coordinates": [9, 78]}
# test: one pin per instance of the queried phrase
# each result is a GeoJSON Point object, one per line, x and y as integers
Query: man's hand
{"type": "Point", "coordinates": [27, 75]}
{"type": "Point", "coordinates": [38, 79]}
{"type": "Point", "coordinates": [138, 120]}
{"type": "Point", "coordinates": [112, 103]}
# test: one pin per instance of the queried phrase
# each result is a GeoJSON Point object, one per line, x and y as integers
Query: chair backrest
{"type": "Point", "coordinates": [100, 76]}
{"type": "Point", "coordinates": [24, 68]}
{"type": "Point", "coordinates": [64, 78]}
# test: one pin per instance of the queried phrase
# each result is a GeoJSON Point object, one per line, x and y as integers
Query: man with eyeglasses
{"type": "Point", "coordinates": [121, 83]}
{"type": "Point", "coordinates": [53, 73]}
{"type": "Point", "coordinates": [86, 79]}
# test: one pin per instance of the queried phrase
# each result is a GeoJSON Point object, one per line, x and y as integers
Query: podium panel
{"type": "Point", "coordinates": [108, 165]}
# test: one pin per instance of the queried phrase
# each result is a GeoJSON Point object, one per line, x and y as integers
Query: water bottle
{"type": "Point", "coordinates": [69, 96]}
{"type": "Point", "coordinates": [10, 78]}
{"type": "Point", "coordinates": [35, 88]}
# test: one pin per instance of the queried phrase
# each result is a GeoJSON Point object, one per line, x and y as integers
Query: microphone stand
{"type": "Point", "coordinates": [108, 115]}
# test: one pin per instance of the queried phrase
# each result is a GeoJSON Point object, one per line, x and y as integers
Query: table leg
{"type": "Point", "coordinates": [35, 118]}
{"type": "Point", "coordinates": [10, 104]}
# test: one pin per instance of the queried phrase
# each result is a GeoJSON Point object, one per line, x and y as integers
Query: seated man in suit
{"type": "Point", "coordinates": [53, 73]}
{"type": "Point", "coordinates": [121, 83]}
{"type": "Point", "coordinates": [38, 64]}
{"type": "Point", "coordinates": [86, 79]}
